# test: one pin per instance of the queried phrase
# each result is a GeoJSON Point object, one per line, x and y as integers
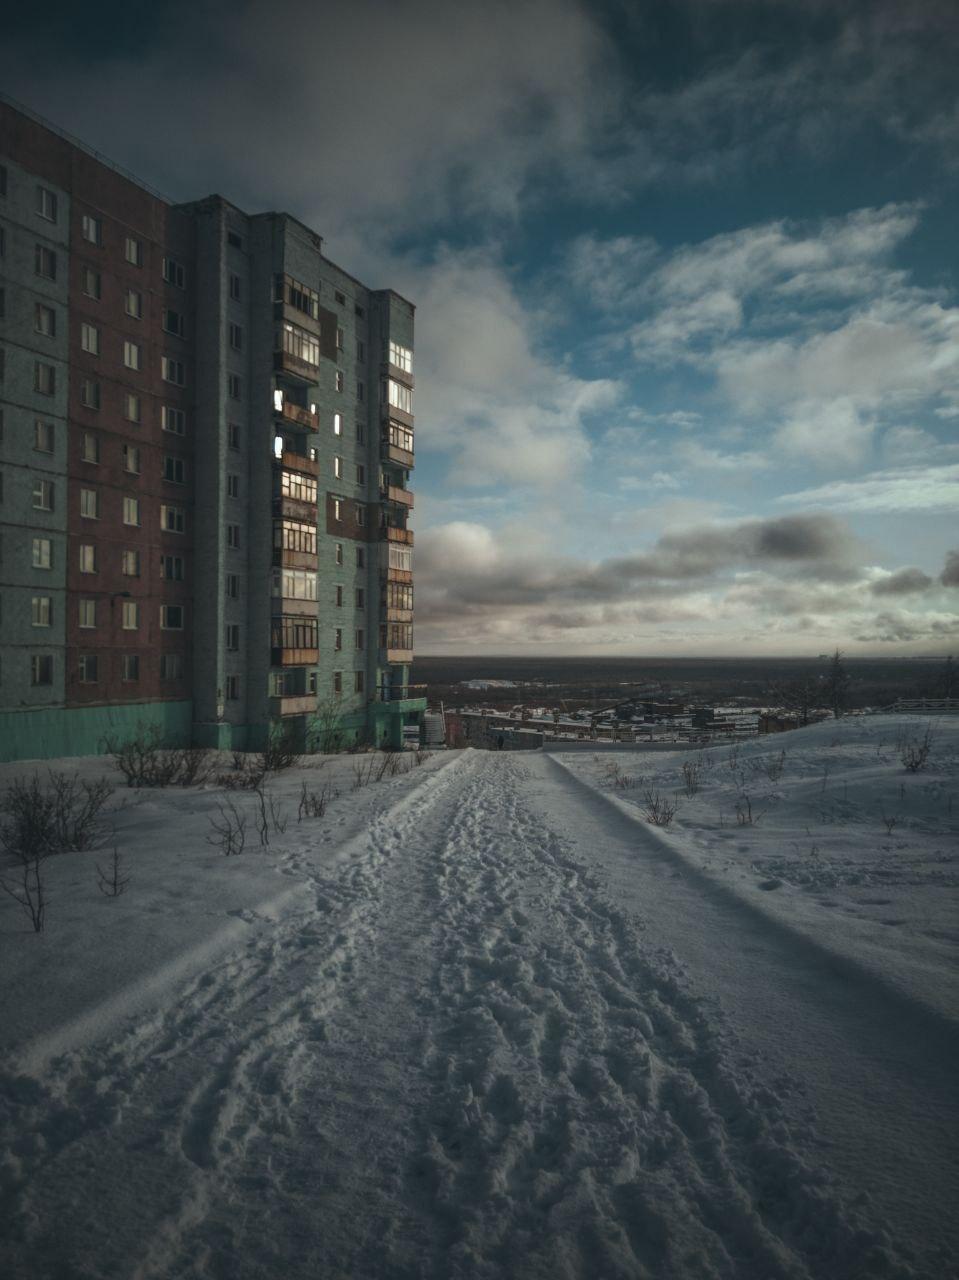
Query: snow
{"type": "Point", "coordinates": [483, 1020]}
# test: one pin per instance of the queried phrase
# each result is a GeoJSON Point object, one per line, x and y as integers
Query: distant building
{"type": "Point", "coordinates": [205, 448]}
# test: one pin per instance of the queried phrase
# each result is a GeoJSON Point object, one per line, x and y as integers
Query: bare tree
{"type": "Point", "coordinates": [836, 684]}
{"type": "Point", "coordinates": [112, 882]}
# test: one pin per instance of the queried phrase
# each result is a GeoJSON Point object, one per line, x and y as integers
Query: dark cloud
{"type": "Point", "coordinates": [903, 583]}
{"type": "Point", "coordinates": [950, 574]}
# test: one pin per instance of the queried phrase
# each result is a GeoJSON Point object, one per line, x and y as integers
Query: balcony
{"type": "Point", "coordinates": [399, 457]}
{"type": "Point", "coordinates": [389, 533]}
{"type": "Point", "coordinates": [283, 559]}
{"type": "Point", "coordinates": [297, 704]}
{"type": "Point", "coordinates": [398, 615]}
{"type": "Point", "coordinates": [294, 509]}
{"type": "Point", "coordinates": [299, 416]}
{"type": "Point", "coordinates": [389, 574]}
{"type": "Point", "coordinates": [297, 462]}
{"type": "Point", "coordinates": [294, 657]}
{"type": "Point", "coordinates": [397, 374]}
{"type": "Point", "coordinates": [393, 493]}
{"type": "Point", "coordinates": [398, 657]}
{"type": "Point", "coordinates": [284, 362]}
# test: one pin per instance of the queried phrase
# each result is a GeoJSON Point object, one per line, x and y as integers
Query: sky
{"type": "Point", "coordinates": [686, 276]}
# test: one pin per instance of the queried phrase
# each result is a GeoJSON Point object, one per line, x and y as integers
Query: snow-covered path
{"type": "Point", "coordinates": [475, 1053]}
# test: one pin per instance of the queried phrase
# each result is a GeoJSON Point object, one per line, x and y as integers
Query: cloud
{"type": "Point", "coordinates": [950, 573]}
{"type": "Point", "coordinates": [902, 583]}
{"type": "Point", "coordinates": [827, 434]}
{"type": "Point", "coordinates": [927, 489]}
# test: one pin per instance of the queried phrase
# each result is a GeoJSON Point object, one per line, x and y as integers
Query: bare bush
{"type": "Point", "coordinates": [659, 810]}
{"type": "Point", "coordinates": [145, 761]}
{"type": "Point", "coordinates": [228, 829]}
{"type": "Point", "coordinates": [112, 882]}
{"type": "Point", "coordinates": [279, 752]}
{"type": "Point", "coordinates": [732, 759]}
{"type": "Point", "coordinates": [915, 754]}
{"type": "Point", "coordinates": [690, 777]}
{"type": "Point", "coordinates": [774, 767]}
{"type": "Point", "coordinates": [422, 755]}
{"type": "Point", "coordinates": [363, 770]}
{"type": "Point", "coordinates": [745, 817]}
{"type": "Point", "coordinates": [29, 889]}
{"type": "Point", "coordinates": [889, 821]}
{"type": "Point", "coordinates": [313, 804]}
{"type": "Point", "coordinates": [246, 778]}
{"type": "Point", "coordinates": [64, 815]}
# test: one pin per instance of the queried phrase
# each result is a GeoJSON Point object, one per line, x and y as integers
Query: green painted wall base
{"type": "Point", "coordinates": [79, 731]}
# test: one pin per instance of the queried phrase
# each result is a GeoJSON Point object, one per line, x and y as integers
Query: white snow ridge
{"type": "Point", "coordinates": [484, 1020]}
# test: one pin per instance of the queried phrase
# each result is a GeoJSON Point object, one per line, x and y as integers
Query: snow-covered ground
{"type": "Point", "coordinates": [483, 1020]}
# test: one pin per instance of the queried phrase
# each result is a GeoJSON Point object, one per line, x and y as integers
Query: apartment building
{"type": "Point", "coordinates": [206, 438]}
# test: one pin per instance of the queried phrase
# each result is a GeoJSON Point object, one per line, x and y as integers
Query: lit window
{"type": "Point", "coordinates": [400, 397]}
{"type": "Point", "coordinates": [88, 558]}
{"type": "Point", "coordinates": [402, 357]}
{"type": "Point", "coordinates": [338, 468]}
{"type": "Point", "coordinates": [339, 379]}
{"type": "Point", "coordinates": [337, 424]}
{"type": "Point", "coordinates": [337, 510]}
{"type": "Point", "coordinates": [130, 619]}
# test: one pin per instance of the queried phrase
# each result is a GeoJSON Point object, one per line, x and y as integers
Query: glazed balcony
{"type": "Point", "coordinates": [398, 496]}
{"type": "Point", "coordinates": [399, 457]}
{"type": "Point", "coordinates": [285, 559]}
{"type": "Point", "coordinates": [397, 657]}
{"type": "Point", "coordinates": [294, 367]}
{"type": "Point", "coordinates": [299, 416]}
{"type": "Point", "coordinates": [294, 657]}
{"type": "Point", "coordinates": [294, 509]}
{"type": "Point", "coordinates": [398, 615]}
{"type": "Point", "coordinates": [296, 462]}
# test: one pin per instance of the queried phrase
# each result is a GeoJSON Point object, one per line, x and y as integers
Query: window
{"type": "Point", "coordinates": [360, 391]}
{"type": "Point", "coordinates": [236, 337]}
{"type": "Point", "coordinates": [400, 557]}
{"type": "Point", "coordinates": [399, 595]}
{"type": "Point", "coordinates": [234, 386]}
{"type": "Point", "coordinates": [360, 513]}
{"type": "Point", "coordinates": [294, 584]}
{"type": "Point", "coordinates": [295, 535]}
{"type": "Point", "coordinates": [232, 485]}
{"type": "Point", "coordinates": [358, 310]}
{"type": "Point", "coordinates": [338, 468]}
{"type": "Point", "coordinates": [90, 282]}
{"type": "Point", "coordinates": [46, 204]}
{"type": "Point", "coordinates": [337, 424]}
{"type": "Point", "coordinates": [173, 322]}
{"type": "Point", "coordinates": [171, 617]}
{"type": "Point", "coordinates": [174, 469]}
{"type": "Point", "coordinates": [360, 350]}
{"type": "Point", "coordinates": [311, 682]}
{"type": "Point", "coordinates": [130, 563]}
{"type": "Point", "coordinates": [338, 553]}
{"type": "Point", "coordinates": [357, 681]}
{"type": "Point", "coordinates": [233, 435]}
{"type": "Point", "coordinates": [45, 262]}
{"type": "Point", "coordinates": [87, 613]}
{"type": "Point", "coordinates": [90, 339]}
{"type": "Point", "coordinates": [298, 296]}
{"type": "Point", "coordinates": [88, 558]}
{"type": "Point", "coordinates": [132, 355]}
{"type": "Point", "coordinates": [337, 509]}
{"type": "Point", "coordinates": [130, 667]}
{"type": "Point", "coordinates": [171, 666]}
{"type": "Point", "coordinates": [130, 617]}
{"type": "Point", "coordinates": [172, 519]}
{"type": "Point", "coordinates": [43, 436]}
{"type": "Point", "coordinates": [3, 179]}
{"type": "Point", "coordinates": [360, 433]}
{"type": "Point", "coordinates": [41, 668]}
{"type": "Point", "coordinates": [173, 272]}
{"type": "Point", "coordinates": [359, 639]}
{"type": "Point", "coordinates": [90, 393]}
{"type": "Point", "coordinates": [89, 504]}
{"type": "Point", "coordinates": [360, 557]}
{"type": "Point", "coordinates": [131, 511]}
{"type": "Point", "coordinates": [400, 437]}
{"type": "Point", "coordinates": [233, 586]}
{"type": "Point", "coordinates": [89, 668]}
{"type": "Point", "coordinates": [360, 597]}
{"type": "Point", "coordinates": [173, 420]}
{"type": "Point", "coordinates": [400, 397]}
{"type": "Point", "coordinates": [341, 298]}
{"type": "Point", "coordinates": [172, 371]}
{"type": "Point", "coordinates": [133, 303]}
{"type": "Point", "coordinates": [234, 286]}
{"type": "Point", "coordinates": [300, 344]}
{"type": "Point", "coordinates": [338, 639]}
{"type": "Point", "coordinates": [131, 459]}
{"type": "Point", "coordinates": [232, 688]}
{"type": "Point", "coordinates": [43, 495]}
{"type": "Point", "coordinates": [171, 568]}
{"type": "Point", "coordinates": [337, 682]}
{"type": "Point", "coordinates": [360, 475]}
{"type": "Point", "coordinates": [91, 229]}
{"type": "Point", "coordinates": [402, 357]}
{"type": "Point", "coordinates": [339, 379]}
{"type": "Point", "coordinates": [90, 447]}
{"type": "Point", "coordinates": [42, 553]}
{"type": "Point", "coordinates": [339, 596]}
{"type": "Point", "coordinates": [45, 321]}
{"type": "Point", "coordinates": [233, 240]}
{"type": "Point", "coordinates": [294, 484]}
{"type": "Point", "coordinates": [233, 537]}
{"type": "Point", "coordinates": [44, 378]}
{"type": "Point", "coordinates": [339, 339]}
{"type": "Point", "coordinates": [133, 251]}
{"type": "Point", "coordinates": [41, 612]}
{"type": "Point", "coordinates": [232, 636]}
{"type": "Point", "coordinates": [132, 407]}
